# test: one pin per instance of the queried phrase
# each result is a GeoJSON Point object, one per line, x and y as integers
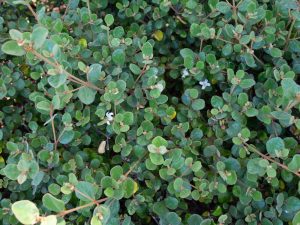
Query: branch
{"type": "Point", "coordinates": [283, 166]}
{"type": "Point", "coordinates": [141, 74]}
{"type": "Point", "coordinates": [53, 127]}
{"type": "Point", "coordinates": [63, 213]}
{"type": "Point", "coordinates": [131, 169]}
{"type": "Point", "coordinates": [290, 33]}
{"type": "Point", "coordinates": [70, 76]}
{"type": "Point", "coordinates": [33, 12]}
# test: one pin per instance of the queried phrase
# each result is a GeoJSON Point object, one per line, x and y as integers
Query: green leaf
{"type": "Point", "coordinates": [38, 36]}
{"type": "Point", "coordinates": [66, 137]}
{"type": "Point", "coordinates": [57, 80]}
{"type": "Point", "coordinates": [11, 171]}
{"type": "Point", "coordinates": [15, 35]}
{"type": "Point", "coordinates": [188, 62]}
{"type": "Point", "coordinates": [264, 114]}
{"type": "Point", "coordinates": [211, 59]}
{"type": "Point", "coordinates": [159, 141]}
{"type": "Point", "coordinates": [294, 165]}
{"type": "Point", "coordinates": [275, 52]}
{"type": "Point", "coordinates": [296, 219]}
{"type": "Point", "coordinates": [147, 49]}
{"type": "Point", "coordinates": [11, 146]}
{"type": "Point", "coordinates": [96, 221]}
{"type": "Point", "coordinates": [198, 104]}
{"type": "Point", "coordinates": [186, 52]}
{"type": "Point", "coordinates": [94, 73]}
{"type": "Point", "coordinates": [274, 146]}
{"type": "Point", "coordinates": [49, 220]}
{"type": "Point", "coordinates": [195, 30]}
{"type": "Point", "coordinates": [283, 117]}
{"type": "Point", "coordinates": [194, 219]}
{"type": "Point", "coordinates": [247, 83]}
{"type": "Point", "coordinates": [128, 187]}
{"type": "Point", "coordinates": [25, 211]}
{"type": "Point", "coordinates": [178, 184]}
{"type": "Point", "coordinates": [109, 19]}
{"type": "Point", "coordinates": [116, 172]}
{"type": "Point", "coordinates": [217, 101]}
{"type": "Point", "coordinates": [249, 60]}
{"type": "Point", "coordinates": [44, 107]}
{"type": "Point", "coordinates": [173, 218]}
{"type": "Point", "coordinates": [135, 69]}
{"type": "Point", "coordinates": [12, 48]}
{"type": "Point", "coordinates": [156, 158]}
{"type": "Point", "coordinates": [227, 49]}
{"type": "Point", "coordinates": [223, 7]}
{"type": "Point", "coordinates": [290, 207]}
{"type": "Point", "coordinates": [86, 95]}
{"type": "Point", "coordinates": [52, 203]}
{"type": "Point", "coordinates": [85, 191]}
{"type": "Point", "coordinates": [118, 57]}
{"type": "Point", "coordinates": [290, 88]}
{"type": "Point", "coordinates": [128, 118]}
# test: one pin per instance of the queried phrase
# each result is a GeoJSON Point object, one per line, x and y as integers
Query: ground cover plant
{"type": "Point", "coordinates": [149, 112]}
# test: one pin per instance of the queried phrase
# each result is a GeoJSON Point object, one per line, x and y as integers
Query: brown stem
{"type": "Point", "coordinates": [246, 46]}
{"type": "Point", "coordinates": [234, 12]}
{"type": "Point", "coordinates": [32, 11]}
{"type": "Point", "coordinates": [201, 43]}
{"type": "Point", "coordinates": [73, 90]}
{"type": "Point", "coordinates": [53, 127]}
{"type": "Point", "coordinates": [271, 159]}
{"type": "Point", "coordinates": [291, 105]}
{"type": "Point", "coordinates": [70, 76]}
{"type": "Point", "coordinates": [86, 196]}
{"type": "Point", "coordinates": [131, 169]}
{"type": "Point", "coordinates": [141, 74]}
{"type": "Point", "coordinates": [290, 33]}
{"type": "Point", "coordinates": [100, 200]}
{"type": "Point", "coordinates": [62, 214]}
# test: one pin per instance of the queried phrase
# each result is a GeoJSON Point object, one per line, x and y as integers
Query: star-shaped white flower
{"type": "Point", "coordinates": [185, 73]}
{"type": "Point", "coordinates": [204, 84]}
{"type": "Point", "coordinates": [109, 117]}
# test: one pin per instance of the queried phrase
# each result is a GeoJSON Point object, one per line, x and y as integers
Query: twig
{"type": "Point", "coordinates": [246, 46]}
{"type": "Point", "coordinates": [70, 76]}
{"type": "Point", "coordinates": [271, 159]}
{"type": "Point", "coordinates": [252, 53]}
{"type": "Point", "coordinates": [33, 12]}
{"type": "Point", "coordinates": [60, 135]}
{"type": "Point", "coordinates": [53, 127]}
{"type": "Point", "coordinates": [73, 90]}
{"type": "Point", "coordinates": [291, 104]}
{"type": "Point", "coordinates": [221, 39]}
{"type": "Point", "coordinates": [89, 8]}
{"type": "Point", "coordinates": [66, 10]}
{"type": "Point", "coordinates": [201, 43]}
{"type": "Point", "coordinates": [290, 33]}
{"type": "Point", "coordinates": [141, 74]}
{"type": "Point", "coordinates": [177, 15]}
{"type": "Point", "coordinates": [131, 169]}
{"type": "Point", "coordinates": [234, 12]}
{"type": "Point", "coordinates": [88, 197]}
{"type": "Point", "coordinates": [62, 214]}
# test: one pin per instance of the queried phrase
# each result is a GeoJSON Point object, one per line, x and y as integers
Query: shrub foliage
{"type": "Point", "coordinates": [150, 112]}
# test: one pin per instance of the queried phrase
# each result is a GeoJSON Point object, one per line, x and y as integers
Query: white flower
{"type": "Point", "coordinates": [185, 73]}
{"type": "Point", "coordinates": [109, 117]}
{"type": "Point", "coordinates": [204, 84]}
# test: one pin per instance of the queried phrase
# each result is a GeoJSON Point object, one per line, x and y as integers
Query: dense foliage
{"type": "Point", "coordinates": [150, 112]}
